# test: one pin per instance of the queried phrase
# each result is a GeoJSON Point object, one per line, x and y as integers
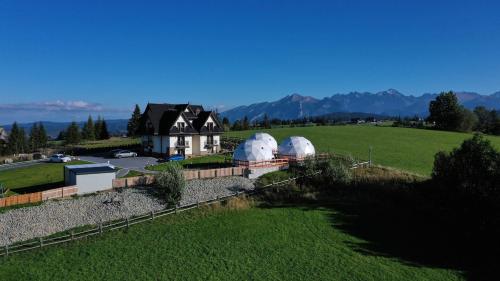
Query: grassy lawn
{"type": "Point", "coordinates": [132, 174]}
{"type": "Point", "coordinates": [283, 243]}
{"type": "Point", "coordinates": [409, 149]}
{"type": "Point", "coordinates": [112, 142]}
{"type": "Point", "coordinates": [214, 160]}
{"type": "Point", "coordinates": [28, 179]}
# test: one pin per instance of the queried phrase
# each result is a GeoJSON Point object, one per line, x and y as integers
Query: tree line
{"type": "Point", "coordinates": [446, 113]}
{"type": "Point", "coordinates": [89, 132]}
{"type": "Point", "coordinates": [18, 142]}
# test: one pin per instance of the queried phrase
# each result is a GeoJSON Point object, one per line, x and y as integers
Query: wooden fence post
{"type": "Point", "coordinates": [100, 227]}
{"type": "Point", "coordinates": [370, 156]}
{"type": "Point", "coordinates": [6, 250]}
{"type": "Point", "coordinates": [176, 208]}
{"type": "Point", "coordinates": [128, 223]}
{"type": "Point", "coordinates": [72, 235]}
{"type": "Point", "coordinates": [41, 241]}
{"type": "Point", "coordinates": [152, 215]}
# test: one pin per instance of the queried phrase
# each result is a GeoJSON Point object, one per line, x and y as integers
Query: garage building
{"type": "Point", "coordinates": [90, 178]}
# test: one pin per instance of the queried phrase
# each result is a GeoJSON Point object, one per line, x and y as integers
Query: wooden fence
{"type": "Point", "coordinates": [188, 175]}
{"type": "Point", "coordinates": [38, 196]}
{"type": "Point", "coordinates": [68, 236]}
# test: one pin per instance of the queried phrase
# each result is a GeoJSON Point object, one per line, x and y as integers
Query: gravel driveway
{"type": "Point", "coordinates": [56, 216]}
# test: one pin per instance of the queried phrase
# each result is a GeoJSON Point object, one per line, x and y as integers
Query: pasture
{"type": "Point", "coordinates": [403, 148]}
{"type": "Point", "coordinates": [36, 177]}
{"type": "Point", "coordinates": [221, 243]}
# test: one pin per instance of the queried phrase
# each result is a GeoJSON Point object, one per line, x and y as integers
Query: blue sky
{"type": "Point", "coordinates": [61, 60]}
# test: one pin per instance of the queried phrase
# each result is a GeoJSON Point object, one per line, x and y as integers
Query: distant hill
{"type": "Point", "coordinates": [116, 126]}
{"type": "Point", "coordinates": [389, 103]}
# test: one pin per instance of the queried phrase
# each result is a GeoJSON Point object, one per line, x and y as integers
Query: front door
{"type": "Point", "coordinates": [181, 151]}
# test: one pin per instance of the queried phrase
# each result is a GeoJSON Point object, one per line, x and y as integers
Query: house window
{"type": "Point", "coordinates": [210, 126]}
{"type": "Point", "coordinates": [181, 126]}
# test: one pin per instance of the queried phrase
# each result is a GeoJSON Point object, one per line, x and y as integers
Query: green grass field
{"type": "Point", "coordinates": [409, 149]}
{"type": "Point", "coordinates": [195, 162]}
{"type": "Point", "coordinates": [33, 177]}
{"type": "Point", "coordinates": [111, 142]}
{"type": "Point", "coordinates": [283, 243]}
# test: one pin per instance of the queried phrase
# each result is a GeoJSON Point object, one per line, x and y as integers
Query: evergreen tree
{"type": "Point", "coordinates": [23, 145]}
{"type": "Point", "coordinates": [236, 126]}
{"type": "Point", "coordinates": [73, 134]}
{"type": "Point", "coordinates": [266, 122]}
{"type": "Point", "coordinates": [42, 136]}
{"type": "Point", "coordinates": [134, 122]}
{"type": "Point", "coordinates": [34, 138]}
{"type": "Point", "coordinates": [246, 124]}
{"type": "Point", "coordinates": [16, 142]}
{"type": "Point", "coordinates": [446, 112]}
{"type": "Point", "coordinates": [226, 124]}
{"type": "Point", "coordinates": [88, 131]}
{"type": "Point", "coordinates": [104, 131]}
{"type": "Point", "coordinates": [98, 128]}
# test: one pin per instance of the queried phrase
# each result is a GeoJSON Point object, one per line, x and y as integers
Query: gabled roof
{"type": "Point", "coordinates": [202, 119]}
{"type": "Point", "coordinates": [163, 117]}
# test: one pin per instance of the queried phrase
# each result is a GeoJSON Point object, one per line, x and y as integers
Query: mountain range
{"type": "Point", "coordinates": [295, 106]}
{"type": "Point", "coordinates": [389, 103]}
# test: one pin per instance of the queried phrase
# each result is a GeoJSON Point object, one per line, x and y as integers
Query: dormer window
{"type": "Point", "coordinates": [210, 126]}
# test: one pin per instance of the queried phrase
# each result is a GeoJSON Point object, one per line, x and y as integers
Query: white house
{"type": "Point", "coordinates": [168, 129]}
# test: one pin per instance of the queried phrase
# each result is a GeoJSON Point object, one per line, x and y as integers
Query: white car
{"type": "Point", "coordinates": [59, 158]}
{"type": "Point", "coordinates": [125, 153]}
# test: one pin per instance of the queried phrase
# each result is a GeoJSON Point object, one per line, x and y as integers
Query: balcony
{"type": "Point", "coordinates": [211, 144]}
{"type": "Point", "coordinates": [182, 144]}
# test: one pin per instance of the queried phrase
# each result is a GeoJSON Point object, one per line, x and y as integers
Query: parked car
{"type": "Point", "coordinates": [125, 153]}
{"type": "Point", "coordinates": [176, 157]}
{"type": "Point", "coordinates": [59, 158]}
{"type": "Point", "coordinates": [113, 152]}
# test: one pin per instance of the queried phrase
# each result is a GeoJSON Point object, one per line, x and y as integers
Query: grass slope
{"type": "Point", "coordinates": [207, 161]}
{"type": "Point", "coordinates": [35, 177]}
{"type": "Point", "coordinates": [409, 149]}
{"type": "Point", "coordinates": [252, 244]}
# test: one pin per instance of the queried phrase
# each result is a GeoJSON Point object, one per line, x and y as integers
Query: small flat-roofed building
{"type": "Point", "coordinates": [90, 178]}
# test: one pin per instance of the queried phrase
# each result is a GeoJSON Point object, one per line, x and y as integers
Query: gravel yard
{"type": "Point", "coordinates": [55, 216]}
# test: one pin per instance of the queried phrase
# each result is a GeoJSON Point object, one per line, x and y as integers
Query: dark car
{"type": "Point", "coordinates": [176, 157]}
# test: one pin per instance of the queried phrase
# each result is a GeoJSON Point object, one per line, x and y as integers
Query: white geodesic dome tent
{"type": "Point", "coordinates": [253, 150]}
{"type": "Point", "coordinates": [296, 147]}
{"type": "Point", "coordinates": [267, 139]}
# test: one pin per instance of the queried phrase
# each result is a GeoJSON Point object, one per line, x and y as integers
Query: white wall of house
{"type": "Point", "coordinates": [203, 141]}
{"type": "Point", "coordinates": [181, 120]}
{"type": "Point", "coordinates": [156, 144]}
{"type": "Point", "coordinates": [187, 139]}
{"type": "Point", "coordinates": [196, 144]}
{"type": "Point", "coordinates": [209, 120]}
{"type": "Point", "coordinates": [217, 141]}
{"type": "Point", "coordinates": [165, 144]}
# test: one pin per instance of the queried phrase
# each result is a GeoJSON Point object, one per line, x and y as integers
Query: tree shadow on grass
{"type": "Point", "coordinates": [38, 188]}
{"type": "Point", "coordinates": [392, 223]}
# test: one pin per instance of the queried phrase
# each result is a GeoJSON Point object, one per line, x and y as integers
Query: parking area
{"type": "Point", "coordinates": [132, 163]}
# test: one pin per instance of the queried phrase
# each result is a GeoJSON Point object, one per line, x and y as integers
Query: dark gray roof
{"type": "Point", "coordinates": [163, 117]}
{"type": "Point", "coordinates": [90, 168]}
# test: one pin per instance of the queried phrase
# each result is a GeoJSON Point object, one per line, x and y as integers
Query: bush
{"type": "Point", "coordinates": [467, 181]}
{"type": "Point", "coordinates": [335, 171]}
{"type": "Point", "coordinates": [473, 168]}
{"type": "Point", "coordinates": [171, 183]}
